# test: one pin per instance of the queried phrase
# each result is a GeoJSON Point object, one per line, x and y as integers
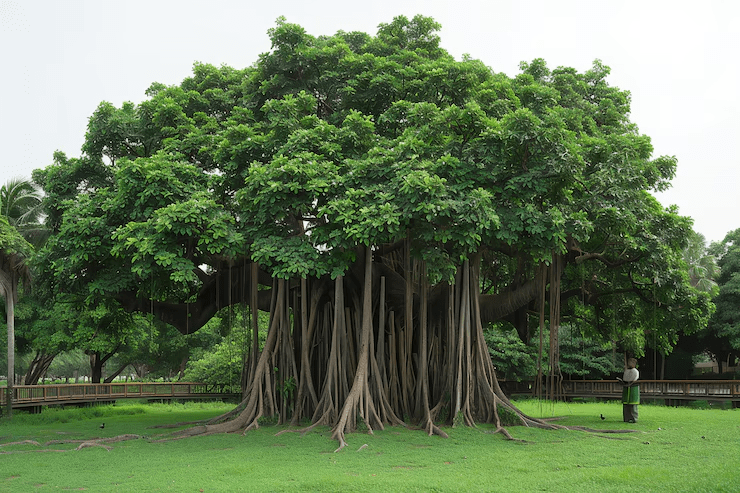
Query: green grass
{"type": "Point", "coordinates": [673, 449]}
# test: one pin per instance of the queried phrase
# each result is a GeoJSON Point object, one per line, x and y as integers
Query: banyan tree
{"type": "Point", "coordinates": [385, 203]}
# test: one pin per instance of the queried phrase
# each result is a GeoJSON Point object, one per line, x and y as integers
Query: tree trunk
{"type": "Point", "coordinates": [96, 368]}
{"type": "Point", "coordinates": [113, 375]}
{"type": "Point", "coordinates": [38, 367]}
{"type": "Point", "coordinates": [97, 363]}
{"type": "Point", "coordinates": [10, 313]}
{"type": "Point", "coordinates": [181, 369]}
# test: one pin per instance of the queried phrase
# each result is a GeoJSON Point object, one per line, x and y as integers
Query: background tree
{"type": "Point", "coordinates": [722, 337]}
{"type": "Point", "coordinates": [38, 338]}
{"type": "Point", "coordinates": [703, 272]}
{"type": "Point", "coordinates": [703, 268]}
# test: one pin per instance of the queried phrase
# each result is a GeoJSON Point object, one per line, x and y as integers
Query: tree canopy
{"type": "Point", "coordinates": [383, 201]}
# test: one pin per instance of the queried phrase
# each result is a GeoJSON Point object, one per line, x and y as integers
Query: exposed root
{"type": "Point", "coordinates": [119, 438]}
{"type": "Point", "coordinates": [96, 442]}
{"type": "Point", "coordinates": [93, 444]}
{"type": "Point", "coordinates": [433, 429]}
{"type": "Point", "coordinates": [178, 425]}
{"type": "Point", "coordinates": [593, 430]}
{"type": "Point", "coordinates": [8, 452]}
{"type": "Point", "coordinates": [302, 431]}
{"type": "Point", "coordinates": [506, 433]}
{"type": "Point", "coordinates": [23, 442]}
{"type": "Point", "coordinates": [554, 418]}
{"type": "Point", "coordinates": [228, 415]}
{"type": "Point", "coordinates": [338, 435]}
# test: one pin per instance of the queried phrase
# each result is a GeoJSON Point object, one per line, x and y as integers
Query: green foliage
{"type": "Point", "coordinates": [721, 337]}
{"type": "Point", "coordinates": [222, 362]}
{"type": "Point", "coordinates": [68, 364]}
{"type": "Point", "coordinates": [580, 357]}
{"type": "Point", "coordinates": [222, 366]}
{"type": "Point", "coordinates": [703, 268]}
{"type": "Point", "coordinates": [513, 359]}
{"type": "Point", "coordinates": [20, 204]}
{"type": "Point", "coordinates": [13, 247]}
{"type": "Point", "coordinates": [508, 417]}
{"type": "Point", "coordinates": [726, 321]}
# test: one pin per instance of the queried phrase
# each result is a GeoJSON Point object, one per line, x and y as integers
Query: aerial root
{"type": "Point", "coordinates": [504, 432]}
{"type": "Point", "coordinates": [252, 426]}
{"type": "Point", "coordinates": [322, 420]}
{"type": "Point", "coordinates": [339, 437]}
{"type": "Point", "coordinates": [433, 429]}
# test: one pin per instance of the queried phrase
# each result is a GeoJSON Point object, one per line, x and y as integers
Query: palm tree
{"type": "Point", "coordinates": [702, 266]}
{"type": "Point", "coordinates": [20, 215]}
{"type": "Point", "coordinates": [14, 250]}
{"type": "Point", "coordinates": [20, 204]}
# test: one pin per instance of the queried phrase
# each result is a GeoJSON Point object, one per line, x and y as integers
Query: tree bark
{"type": "Point", "coordinates": [359, 400]}
{"type": "Point", "coordinates": [38, 367]}
{"type": "Point", "coordinates": [8, 292]}
{"type": "Point", "coordinates": [97, 363]}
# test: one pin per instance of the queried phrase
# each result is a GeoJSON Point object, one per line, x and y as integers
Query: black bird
{"type": "Point", "coordinates": [102, 426]}
{"type": "Point", "coordinates": [602, 417]}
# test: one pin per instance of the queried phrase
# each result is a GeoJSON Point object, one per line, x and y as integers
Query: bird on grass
{"type": "Point", "coordinates": [102, 426]}
{"type": "Point", "coordinates": [602, 417]}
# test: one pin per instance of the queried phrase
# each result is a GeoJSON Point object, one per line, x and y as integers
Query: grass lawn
{"type": "Point", "coordinates": [672, 449]}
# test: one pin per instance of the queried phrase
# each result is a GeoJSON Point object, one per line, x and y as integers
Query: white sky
{"type": "Point", "coordinates": [60, 59]}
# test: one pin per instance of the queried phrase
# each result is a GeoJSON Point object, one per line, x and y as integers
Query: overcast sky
{"type": "Point", "coordinates": [59, 59]}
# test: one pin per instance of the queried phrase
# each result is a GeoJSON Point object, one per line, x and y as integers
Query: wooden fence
{"type": "Point", "coordinates": [720, 390]}
{"type": "Point", "coordinates": [44, 395]}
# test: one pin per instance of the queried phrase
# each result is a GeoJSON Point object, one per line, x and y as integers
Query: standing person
{"type": "Point", "coordinates": [630, 391]}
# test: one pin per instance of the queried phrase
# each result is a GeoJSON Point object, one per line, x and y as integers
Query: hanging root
{"type": "Point", "coordinates": [347, 420]}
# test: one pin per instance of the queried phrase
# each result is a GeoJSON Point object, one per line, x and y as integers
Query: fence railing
{"type": "Point", "coordinates": [34, 395]}
{"type": "Point", "coordinates": [660, 389]}
{"type": "Point", "coordinates": [40, 395]}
